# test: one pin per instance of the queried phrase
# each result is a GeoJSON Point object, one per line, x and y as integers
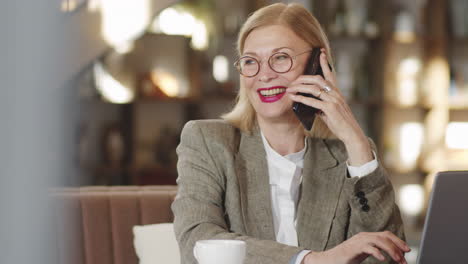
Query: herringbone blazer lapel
{"type": "Point", "coordinates": [252, 173]}
{"type": "Point", "coordinates": [323, 177]}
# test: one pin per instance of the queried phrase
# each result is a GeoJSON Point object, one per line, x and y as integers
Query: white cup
{"type": "Point", "coordinates": [219, 251]}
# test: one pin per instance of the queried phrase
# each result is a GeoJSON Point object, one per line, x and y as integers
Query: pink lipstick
{"type": "Point", "coordinates": [271, 94]}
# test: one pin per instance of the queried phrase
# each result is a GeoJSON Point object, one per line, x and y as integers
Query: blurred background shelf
{"type": "Point", "coordinates": [403, 75]}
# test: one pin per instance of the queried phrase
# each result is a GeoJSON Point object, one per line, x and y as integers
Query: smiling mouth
{"type": "Point", "coordinates": [272, 92]}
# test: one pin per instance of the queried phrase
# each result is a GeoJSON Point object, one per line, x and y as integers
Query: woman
{"type": "Point", "coordinates": [294, 196]}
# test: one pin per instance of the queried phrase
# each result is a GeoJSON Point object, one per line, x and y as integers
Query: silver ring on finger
{"type": "Point", "coordinates": [326, 88]}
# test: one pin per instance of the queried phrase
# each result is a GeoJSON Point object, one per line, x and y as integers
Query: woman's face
{"type": "Point", "coordinates": [266, 90]}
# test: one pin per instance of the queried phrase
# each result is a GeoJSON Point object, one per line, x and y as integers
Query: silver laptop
{"type": "Point", "coordinates": [445, 234]}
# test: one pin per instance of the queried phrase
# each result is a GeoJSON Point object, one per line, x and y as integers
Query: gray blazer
{"type": "Point", "coordinates": [224, 193]}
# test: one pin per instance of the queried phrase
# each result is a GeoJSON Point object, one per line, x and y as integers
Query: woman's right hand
{"type": "Point", "coordinates": [359, 247]}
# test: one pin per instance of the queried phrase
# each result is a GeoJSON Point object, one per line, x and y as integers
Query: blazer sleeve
{"type": "Point", "coordinates": [199, 205]}
{"type": "Point", "coordinates": [372, 203]}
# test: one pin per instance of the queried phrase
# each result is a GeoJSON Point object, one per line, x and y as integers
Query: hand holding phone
{"type": "Point", "coordinates": [306, 114]}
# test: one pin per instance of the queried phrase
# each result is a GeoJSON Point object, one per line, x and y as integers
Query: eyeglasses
{"type": "Point", "coordinates": [280, 62]}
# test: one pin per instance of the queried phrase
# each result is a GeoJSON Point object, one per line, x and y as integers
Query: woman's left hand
{"type": "Point", "coordinates": [336, 113]}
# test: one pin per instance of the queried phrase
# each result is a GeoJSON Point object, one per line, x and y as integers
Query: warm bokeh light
{"type": "Point", "coordinates": [166, 82]}
{"type": "Point", "coordinates": [404, 37]}
{"type": "Point", "coordinates": [409, 66]}
{"type": "Point", "coordinates": [411, 138]}
{"type": "Point", "coordinates": [172, 21]}
{"type": "Point", "coordinates": [199, 36]}
{"type": "Point", "coordinates": [411, 199]}
{"type": "Point", "coordinates": [408, 92]}
{"type": "Point", "coordinates": [407, 78]}
{"type": "Point", "coordinates": [457, 135]}
{"type": "Point", "coordinates": [125, 47]}
{"type": "Point", "coordinates": [94, 5]}
{"type": "Point", "coordinates": [437, 81]}
{"type": "Point", "coordinates": [177, 21]}
{"type": "Point", "coordinates": [221, 68]}
{"type": "Point", "coordinates": [124, 21]}
{"type": "Point", "coordinates": [111, 89]}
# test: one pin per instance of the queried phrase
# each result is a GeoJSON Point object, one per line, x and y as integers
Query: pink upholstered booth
{"type": "Point", "coordinates": [94, 224]}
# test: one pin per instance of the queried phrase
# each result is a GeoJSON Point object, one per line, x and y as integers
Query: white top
{"type": "Point", "coordinates": [285, 173]}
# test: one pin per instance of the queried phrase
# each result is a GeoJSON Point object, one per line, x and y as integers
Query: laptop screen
{"type": "Point", "coordinates": [445, 234]}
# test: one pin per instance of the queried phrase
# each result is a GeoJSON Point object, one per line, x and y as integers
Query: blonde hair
{"type": "Point", "coordinates": [304, 25]}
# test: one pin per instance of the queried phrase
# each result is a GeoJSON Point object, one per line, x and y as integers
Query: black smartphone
{"type": "Point", "coordinates": [306, 114]}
